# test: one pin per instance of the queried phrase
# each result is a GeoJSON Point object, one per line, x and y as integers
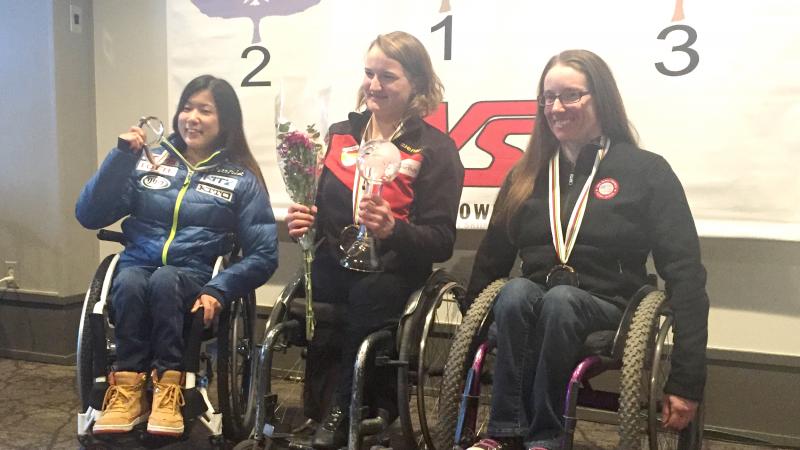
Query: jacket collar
{"type": "Point", "coordinates": [359, 120]}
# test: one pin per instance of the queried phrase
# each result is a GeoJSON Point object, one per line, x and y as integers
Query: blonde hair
{"type": "Point", "coordinates": [412, 56]}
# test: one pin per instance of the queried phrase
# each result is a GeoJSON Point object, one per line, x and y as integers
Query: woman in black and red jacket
{"type": "Point", "coordinates": [414, 219]}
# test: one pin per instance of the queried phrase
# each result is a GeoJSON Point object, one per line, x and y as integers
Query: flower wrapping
{"type": "Point", "coordinates": [300, 157]}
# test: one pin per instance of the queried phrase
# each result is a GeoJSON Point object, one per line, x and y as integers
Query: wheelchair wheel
{"type": "Point", "coordinates": [645, 369]}
{"type": "Point", "coordinates": [470, 334]}
{"type": "Point", "coordinates": [85, 351]}
{"type": "Point", "coordinates": [234, 367]}
{"type": "Point", "coordinates": [424, 343]}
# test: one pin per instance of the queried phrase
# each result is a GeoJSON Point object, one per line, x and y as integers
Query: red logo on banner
{"type": "Point", "coordinates": [490, 123]}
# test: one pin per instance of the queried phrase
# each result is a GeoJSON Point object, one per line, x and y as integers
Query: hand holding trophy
{"type": "Point", "coordinates": [153, 129]}
{"type": "Point", "coordinates": [378, 163]}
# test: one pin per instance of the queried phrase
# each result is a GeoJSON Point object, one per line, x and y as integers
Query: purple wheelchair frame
{"type": "Point", "coordinates": [579, 389]}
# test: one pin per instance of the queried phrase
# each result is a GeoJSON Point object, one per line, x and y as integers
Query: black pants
{"type": "Point", "coordinates": [372, 301]}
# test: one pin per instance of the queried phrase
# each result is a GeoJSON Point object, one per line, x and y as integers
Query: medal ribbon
{"type": "Point", "coordinates": [359, 182]}
{"type": "Point", "coordinates": [563, 245]}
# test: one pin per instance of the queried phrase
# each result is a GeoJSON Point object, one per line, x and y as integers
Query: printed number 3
{"type": "Point", "coordinates": [686, 47]}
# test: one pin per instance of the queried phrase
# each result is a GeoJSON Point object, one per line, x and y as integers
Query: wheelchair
{"type": "Point", "coordinates": [415, 346]}
{"type": "Point", "coordinates": [640, 349]}
{"type": "Point", "coordinates": [227, 348]}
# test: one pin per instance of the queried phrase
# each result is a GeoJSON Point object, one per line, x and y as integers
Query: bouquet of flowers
{"type": "Point", "coordinates": [300, 156]}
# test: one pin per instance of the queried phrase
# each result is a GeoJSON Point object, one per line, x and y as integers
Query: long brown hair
{"type": "Point", "coordinates": [543, 144]}
{"type": "Point", "coordinates": [229, 113]}
{"type": "Point", "coordinates": [412, 56]}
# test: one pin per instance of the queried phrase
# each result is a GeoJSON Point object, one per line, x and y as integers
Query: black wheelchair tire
{"type": "Point", "coordinates": [234, 363]}
{"type": "Point", "coordinates": [645, 364]}
{"type": "Point", "coordinates": [84, 353]}
{"type": "Point", "coordinates": [458, 362]}
{"type": "Point", "coordinates": [415, 343]}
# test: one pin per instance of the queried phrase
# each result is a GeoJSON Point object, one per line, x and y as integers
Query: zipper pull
{"type": "Point", "coordinates": [571, 178]}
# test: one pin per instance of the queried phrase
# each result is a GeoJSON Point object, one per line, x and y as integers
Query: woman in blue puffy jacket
{"type": "Point", "coordinates": [202, 190]}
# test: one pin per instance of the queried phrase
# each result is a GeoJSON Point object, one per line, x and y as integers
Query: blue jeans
{"type": "Point", "coordinates": [539, 337]}
{"type": "Point", "coordinates": [149, 305]}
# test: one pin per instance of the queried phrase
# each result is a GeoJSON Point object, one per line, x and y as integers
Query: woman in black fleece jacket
{"type": "Point", "coordinates": [583, 209]}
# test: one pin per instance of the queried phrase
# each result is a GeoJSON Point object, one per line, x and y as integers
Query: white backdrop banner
{"type": "Point", "coordinates": [711, 85]}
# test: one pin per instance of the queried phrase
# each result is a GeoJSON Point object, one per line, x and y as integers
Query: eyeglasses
{"type": "Point", "coordinates": [566, 97]}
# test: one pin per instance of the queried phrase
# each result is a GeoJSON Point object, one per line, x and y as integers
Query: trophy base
{"type": "Point", "coordinates": [361, 258]}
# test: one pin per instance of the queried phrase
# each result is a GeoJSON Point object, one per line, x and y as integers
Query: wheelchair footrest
{"type": "Point", "coordinates": [97, 394]}
{"type": "Point", "coordinates": [382, 361]}
{"type": "Point", "coordinates": [195, 404]}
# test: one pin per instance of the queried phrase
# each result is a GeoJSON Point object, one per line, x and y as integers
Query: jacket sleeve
{"type": "Point", "coordinates": [108, 195]}
{"type": "Point", "coordinates": [431, 230]}
{"type": "Point", "coordinates": [494, 259]}
{"type": "Point", "coordinates": [676, 253]}
{"type": "Point", "coordinates": [257, 235]}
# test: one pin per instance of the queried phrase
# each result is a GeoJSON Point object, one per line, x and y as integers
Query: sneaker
{"type": "Point", "coordinates": [489, 444]}
{"type": "Point", "coordinates": [124, 404]}
{"type": "Point", "coordinates": [332, 433]}
{"type": "Point", "coordinates": [545, 444]}
{"type": "Point", "coordinates": [166, 418]}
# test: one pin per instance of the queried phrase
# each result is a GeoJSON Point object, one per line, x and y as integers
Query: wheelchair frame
{"type": "Point", "coordinates": [233, 338]}
{"type": "Point", "coordinates": [410, 345]}
{"type": "Point", "coordinates": [640, 350]}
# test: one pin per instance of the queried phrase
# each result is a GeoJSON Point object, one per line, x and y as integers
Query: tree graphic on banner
{"type": "Point", "coordinates": [255, 10]}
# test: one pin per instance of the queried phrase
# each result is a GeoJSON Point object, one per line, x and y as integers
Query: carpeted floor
{"type": "Point", "coordinates": [40, 404]}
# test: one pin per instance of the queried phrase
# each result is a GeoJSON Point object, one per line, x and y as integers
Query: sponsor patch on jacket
{"type": "Point", "coordinates": [216, 192]}
{"type": "Point", "coordinates": [606, 189]}
{"type": "Point", "coordinates": [410, 167]}
{"type": "Point", "coordinates": [409, 149]}
{"type": "Point", "coordinates": [145, 166]}
{"type": "Point", "coordinates": [349, 155]}
{"type": "Point", "coordinates": [229, 171]}
{"type": "Point", "coordinates": [220, 181]}
{"type": "Point", "coordinates": [152, 181]}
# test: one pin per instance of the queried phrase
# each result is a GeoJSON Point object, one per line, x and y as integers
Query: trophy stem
{"type": "Point", "coordinates": [362, 255]}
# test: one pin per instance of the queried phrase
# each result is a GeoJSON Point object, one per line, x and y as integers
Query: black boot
{"type": "Point", "coordinates": [332, 434]}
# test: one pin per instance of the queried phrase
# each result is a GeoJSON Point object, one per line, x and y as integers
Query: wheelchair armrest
{"type": "Point", "coordinates": [111, 236]}
{"type": "Point", "coordinates": [627, 316]}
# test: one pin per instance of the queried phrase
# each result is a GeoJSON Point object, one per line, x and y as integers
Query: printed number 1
{"type": "Point", "coordinates": [686, 47]}
{"type": "Point", "coordinates": [447, 23]}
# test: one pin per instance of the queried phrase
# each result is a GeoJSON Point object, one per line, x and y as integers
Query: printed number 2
{"type": "Point", "coordinates": [248, 79]}
{"type": "Point", "coordinates": [447, 23]}
{"type": "Point", "coordinates": [686, 47]}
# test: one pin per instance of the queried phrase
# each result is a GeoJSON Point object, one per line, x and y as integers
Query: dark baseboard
{"type": "Point", "coordinates": [39, 327]}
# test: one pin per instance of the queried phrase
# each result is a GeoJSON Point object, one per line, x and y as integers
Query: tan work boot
{"type": "Point", "coordinates": [124, 404]}
{"type": "Point", "coordinates": [166, 418]}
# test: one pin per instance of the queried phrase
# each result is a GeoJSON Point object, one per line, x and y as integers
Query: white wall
{"type": "Point", "coordinates": [46, 124]}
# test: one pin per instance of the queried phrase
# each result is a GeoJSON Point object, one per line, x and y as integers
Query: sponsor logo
{"type": "Point", "coordinates": [606, 189]}
{"type": "Point", "coordinates": [145, 166]}
{"type": "Point", "coordinates": [218, 180]}
{"type": "Point", "coordinates": [409, 149]}
{"type": "Point", "coordinates": [229, 171]}
{"type": "Point", "coordinates": [410, 167]}
{"type": "Point", "coordinates": [151, 181]}
{"type": "Point", "coordinates": [349, 156]}
{"type": "Point", "coordinates": [211, 190]}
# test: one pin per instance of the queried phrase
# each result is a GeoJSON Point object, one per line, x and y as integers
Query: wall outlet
{"type": "Point", "coordinates": [11, 269]}
{"type": "Point", "coordinates": [75, 19]}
